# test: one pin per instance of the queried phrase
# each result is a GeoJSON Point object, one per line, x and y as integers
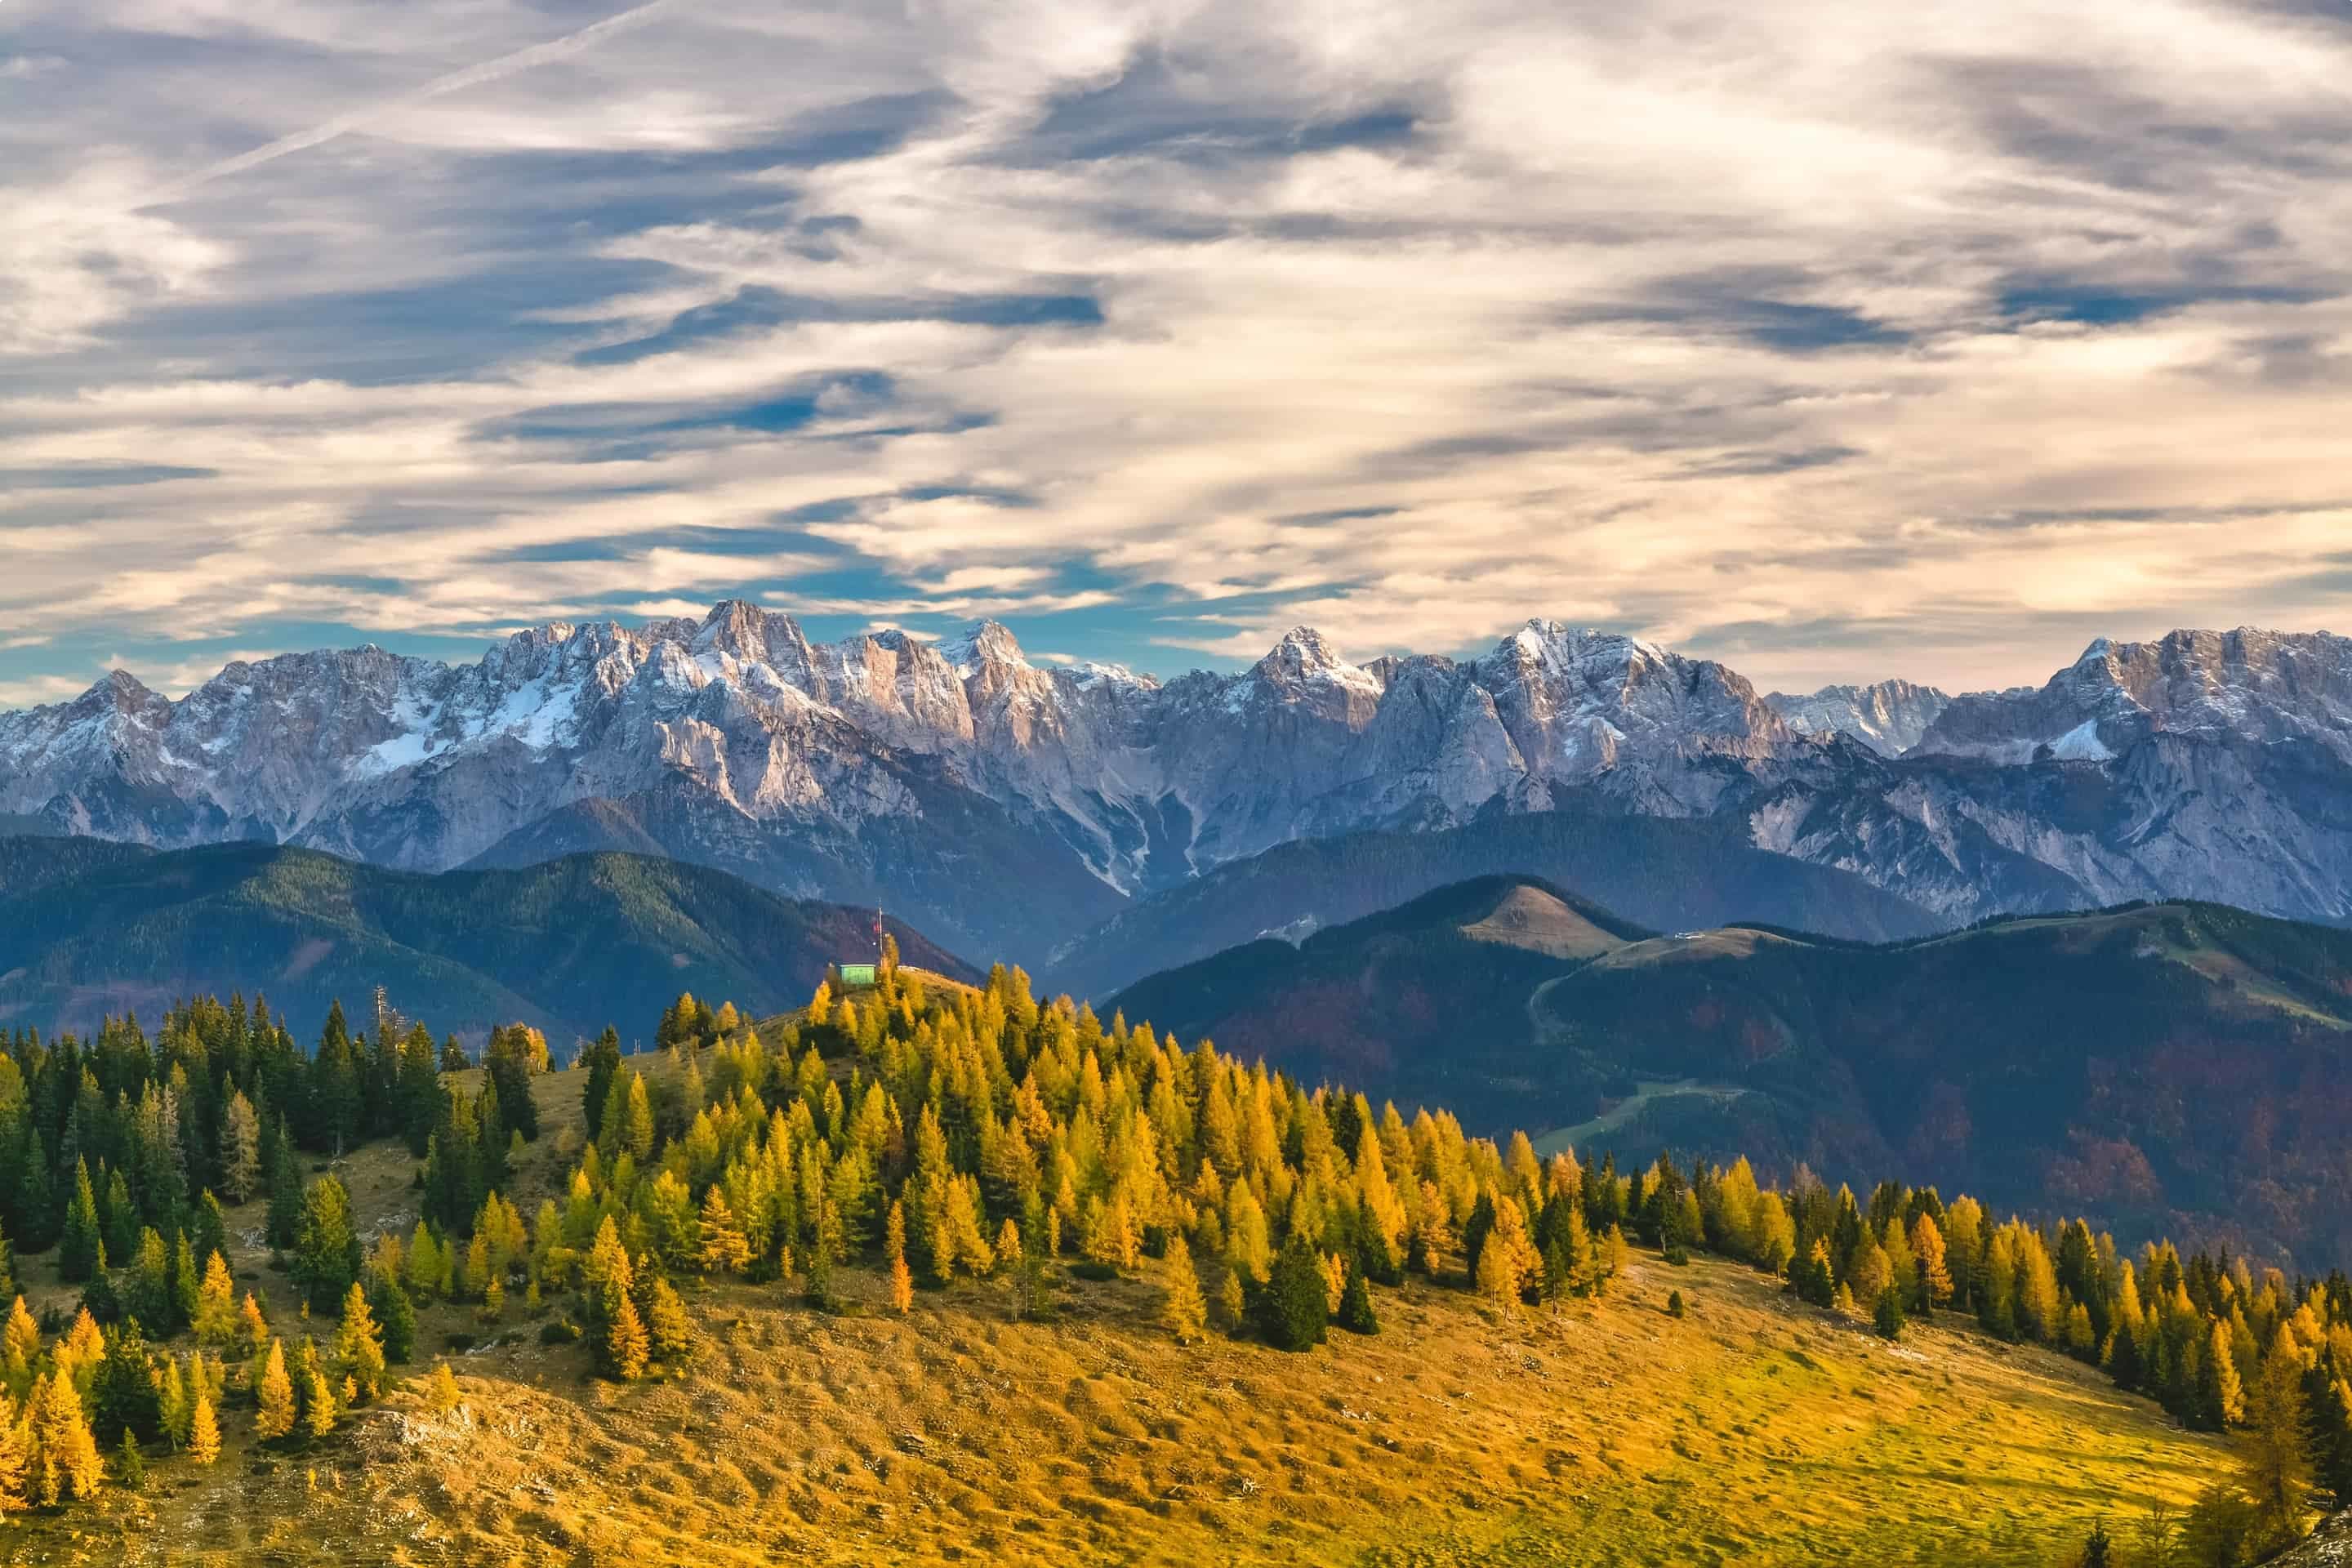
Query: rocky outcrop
{"type": "Point", "coordinates": [1889, 717]}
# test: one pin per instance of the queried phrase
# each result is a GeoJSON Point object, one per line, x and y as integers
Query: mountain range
{"type": "Point", "coordinates": [933, 777]}
{"type": "Point", "coordinates": [2168, 1069]}
{"type": "Point", "coordinates": [90, 929]}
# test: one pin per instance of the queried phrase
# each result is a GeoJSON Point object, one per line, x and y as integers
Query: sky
{"type": "Point", "coordinates": [1834, 339]}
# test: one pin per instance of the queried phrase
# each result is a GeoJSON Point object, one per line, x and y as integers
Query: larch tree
{"type": "Point", "coordinates": [204, 1431]}
{"type": "Point", "coordinates": [66, 1463]}
{"type": "Point", "coordinates": [274, 1414]}
{"type": "Point", "coordinates": [2275, 1465]}
{"type": "Point", "coordinates": [358, 1346]}
{"type": "Point", "coordinates": [241, 1152]}
{"type": "Point", "coordinates": [1183, 1312]}
{"type": "Point", "coordinates": [724, 1248]}
{"type": "Point", "coordinates": [15, 1456]}
{"type": "Point", "coordinates": [215, 1314]}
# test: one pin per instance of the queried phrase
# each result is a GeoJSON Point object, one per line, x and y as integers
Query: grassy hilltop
{"type": "Point", "coordinates": [1753, 1430]}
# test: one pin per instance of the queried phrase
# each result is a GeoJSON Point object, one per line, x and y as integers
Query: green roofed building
{"type": "Point", "coordinates": [855, 975]}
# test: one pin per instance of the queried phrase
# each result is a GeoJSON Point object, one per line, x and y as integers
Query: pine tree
{"type": "Point", "coordinates": [358, 1346]}
{"type": "Point", "coordinates": [1888, 1314]}
{"type": "Point", "coordinates": [1294, 1308]}
{"type": "Point", "coordinates": [79, 1248]}
{"type": "Point", "coordinates": [275, 1417]}
{"type": "Point", "coordinates": [1356, 1314]}
{"type": "Point", "coordinates": [66, 1464]}
{"type": "Point", "coordinates": [7, 1267]}
{"type": "Point", "coordinates": [2220, 1399]}
{"type": "Point", "coordinates": [326, 1249]}
{"type": "Point", "coordinates": [1183, 1312]}
{"type": "Point", "coordinates": [285, 1222]}
{"type": "Point", "coordinates": [396, 1315]}
{"type": "Point", "coordinates": [129, 1465]}
{"type": "Point", "coordinates": [902, 1285]}
{"type": "Point", "coordinates": [123, 1392]}
{"type": "Point", "coordinates": [1231, 1305]}
{"type": "Point", "coordinates": [203, 1431]}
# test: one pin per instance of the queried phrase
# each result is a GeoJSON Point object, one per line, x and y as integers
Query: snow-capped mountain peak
{"type": "Point", "coordinates": [2206, 763]}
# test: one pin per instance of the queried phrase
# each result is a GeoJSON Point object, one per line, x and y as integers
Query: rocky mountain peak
{"type": "Point", "coordinates": [983, 644]}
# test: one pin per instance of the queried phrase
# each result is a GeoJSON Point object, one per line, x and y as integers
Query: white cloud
{"type": "Point", "coordinates": [1828, 338]}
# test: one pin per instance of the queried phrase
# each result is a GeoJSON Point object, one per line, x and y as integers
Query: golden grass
{"type": "Point", "coordinates": [1753, 1431]}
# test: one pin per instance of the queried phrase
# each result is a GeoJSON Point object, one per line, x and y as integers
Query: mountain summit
{"type": "Point", "coordinates": [936, 776]}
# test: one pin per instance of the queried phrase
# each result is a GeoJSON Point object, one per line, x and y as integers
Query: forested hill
{"type": "Point", "coordinates": [1670, 874]}
{"type": "Point", "coordinates": [935, 1273]}
{"type": "Point", "coordinates": [89, 929]}
{"type": "Point", "coordinates": [2182, 1068]}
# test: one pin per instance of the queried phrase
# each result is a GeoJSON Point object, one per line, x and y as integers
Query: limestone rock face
{"type": "Point", "coordinates": [1015, 805]}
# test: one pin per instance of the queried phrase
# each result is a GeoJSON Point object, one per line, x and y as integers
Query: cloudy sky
{"type": "Point", "coordinates": [1836, 339]}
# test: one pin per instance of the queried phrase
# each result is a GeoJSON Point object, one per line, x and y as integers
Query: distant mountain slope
{"type": "Point", "coordinates": [570, 945]}
{"type": "Point", "coordinates": [1665, 873]}
{"type": "Point", "coordinates": [2181, 1068]}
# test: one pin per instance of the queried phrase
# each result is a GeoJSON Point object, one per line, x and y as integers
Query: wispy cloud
{"type": "Point", "coordinates": [1836, 340]}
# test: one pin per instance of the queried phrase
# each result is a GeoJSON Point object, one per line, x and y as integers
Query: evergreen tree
{"type": "Point", "coordinates": [285, 1192]}
{"type": "Point", "coordinates": [603, 1060]}
{"type": "Point", "coordinates": [388, 1301]}
{"type": "Point", "coordinates": [8, 1270]}
{"type": "Point", "coordinates": [1294, 1308]}
{"type": "Point", "coordinates": [122, 1393]}
{"type": "Point", "coordinates": [130, 1466]}
{"type": "Point", "coordinates": [77, 1251]}
{"type": "Point", "coordinates": [2099, 1552]}
{"type": "Point", "coordinates": [326, 1249]}
{"type": "Point", "coordinates": [1356, 1314]}
{"type": "Point", "coordinates": [1888, 1314]}
{"type": "Point", "coordinates": [1183, 1312]}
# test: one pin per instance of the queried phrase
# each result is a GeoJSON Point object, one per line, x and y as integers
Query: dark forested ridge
{"type": "Point", "coordinates": [2176, 1068]}
{"type": "Point", "coordinates": [1665, 873]}
{"type": "Point", "coordinates": [89, 929]}
{"type": "Point", "coordinates": [946, 1132]}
